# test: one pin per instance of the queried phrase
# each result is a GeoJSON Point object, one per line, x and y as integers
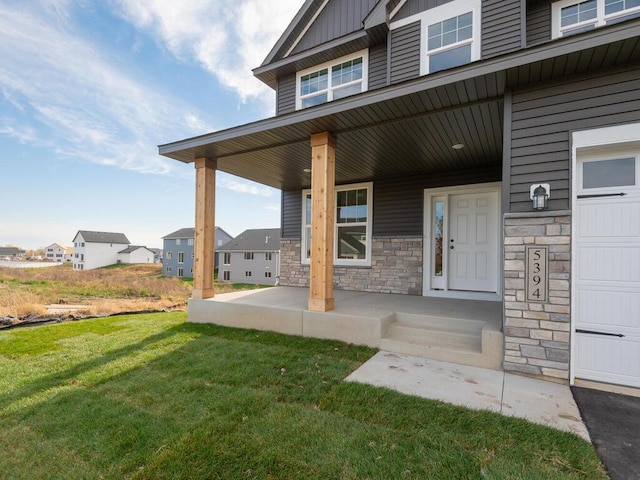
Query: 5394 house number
{"type": "Point", "coordinates": [537, 276]}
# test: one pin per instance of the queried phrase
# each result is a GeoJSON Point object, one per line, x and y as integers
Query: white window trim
{"type": "Point", "coordinates": [369, 225]}
{"type": "Point", "coordinates": [600, 20]}
{"type": "Point", "coordinates": [365, 75]}
{"type": "Point", "coordinates": [439, 14]}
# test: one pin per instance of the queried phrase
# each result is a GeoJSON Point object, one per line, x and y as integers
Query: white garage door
{"type": "Point", "coordinates": [607, 273]}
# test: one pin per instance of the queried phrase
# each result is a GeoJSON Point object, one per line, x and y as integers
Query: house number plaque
{"type": "Point", "coordinates": [537, 274]}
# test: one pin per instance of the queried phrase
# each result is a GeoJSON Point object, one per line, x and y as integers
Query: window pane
{"type": "Point", "coordinates": [438, 236]}
{"type": "Point", "coordinates": [352, 242]}
{"type": "Point", "coordinates": [614, 6]}
{"type": "Point", "coordinates": [307, 242]}
{"type": "Point", "coordinates": [450, 58]}
{"type": "Point", "coordinates": [314, 82]}
{"type": "Point", "coordinates": [450, 31]}
{"type": "Point", "coordinates": [609, 173]}
{"type": "Point", "coordinates": [578, 13]}
{"type": "Point", "coordinates": [623, 18]}
{"type": "Point", "coordinates": [346, 72]}
{"type": "Point", "coordinates": [316, 100]}
{"type": "Point", "coordinates": [346, 91]}
{"type": "Point", "coordinates": [308, 210]}
{"type": "Point", "coordinates": [573, 31]}
{"type": "Point", "coordinates": [352, 206]}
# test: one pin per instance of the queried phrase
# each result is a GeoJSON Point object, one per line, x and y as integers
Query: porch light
{"type": "Point", "coordinates": [306, 170]}
{"type": "Point", "coordinates": [458, 146]}
{"type": "Point", "coordinates": [539, 195]}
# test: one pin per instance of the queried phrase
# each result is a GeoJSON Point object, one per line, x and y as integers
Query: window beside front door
{"type": "Point", "coordinates": [352, 228]}
{"type": "Point", "coordinates": [570, 17]}
{"type": "Point", "coordinates": [332, 81]}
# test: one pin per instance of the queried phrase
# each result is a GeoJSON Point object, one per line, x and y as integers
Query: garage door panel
{"type": "Point", "coordinates": [609, 264]}
{"type": "Point", "coordinates": [598, 308]}
{"type": "Point", "coordinates": [622, 356]}
{"type": "Point", "coordinates": [610, 220]}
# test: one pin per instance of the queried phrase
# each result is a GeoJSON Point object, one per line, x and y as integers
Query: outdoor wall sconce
{"type": "Point", "coordinates": [539, 195]}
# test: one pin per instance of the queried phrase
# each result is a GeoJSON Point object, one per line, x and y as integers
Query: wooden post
{"type": "Point", "coordinates": [204, 244]}
{"type": "Point", "coordinates": [323, 174]}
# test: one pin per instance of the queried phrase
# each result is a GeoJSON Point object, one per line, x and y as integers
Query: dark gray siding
{"type": "Point", "coordinates": [286, 95]}
{"type": "Point", "coordinates": [501, 21]}
{"type": "Point", "coordinates": [413, 7]}
{"type": "Point", "coordinates": [291, 214]}
{"type": "Point", "coordinates": [339, 18]}
{"type": "Point", "coordinates": [405, 53]}
{"type": "Point", "coordinates": [538, 22]}
{"type": "Point", "coordinates": [397, 203]}
{"type": "Point", "coordinates": [378, 67]}
{"type": "Point", "coordinates": [543, 119]}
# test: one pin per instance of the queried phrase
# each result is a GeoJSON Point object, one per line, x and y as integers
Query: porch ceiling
{"type": "Point", "coordinates": [409, 128]}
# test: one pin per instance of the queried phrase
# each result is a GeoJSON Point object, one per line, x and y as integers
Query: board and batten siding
{"type": "Point", "coordinates": [397, 203]}
{"type": "Point", "coordinates": [413, 7]}
{"type": "Point", "coordinates": [538, 22]}
{"type": "Point", "coordinates": [501, 26]}
{"type": "Point", "coordinates": [405, 53]}
{"type": "Point", "coordinates": [337, 19]}
{"type": "Point", "coordinates": [543, 119]}
{"type": "Point", "coordinates": [286, 95]}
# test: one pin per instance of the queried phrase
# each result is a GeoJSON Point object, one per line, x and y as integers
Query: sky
{"type": "Point", "coordinates": [90, 88]}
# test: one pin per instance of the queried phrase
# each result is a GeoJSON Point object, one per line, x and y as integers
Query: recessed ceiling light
{"type": "Point", "coordinates": [307, 170]}
{"type": "Point", "coordinates": [458, 146]}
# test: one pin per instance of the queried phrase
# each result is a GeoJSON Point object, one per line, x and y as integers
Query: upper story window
{"type": "Point", "coordinates": [352, 232]}
{"type": "Point", "coordinates": [333, 80]}
{"type": "Point", "coordinates": [571, 16]}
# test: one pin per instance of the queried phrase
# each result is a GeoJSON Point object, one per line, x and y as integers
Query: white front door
{"type": "Point", "coordinates": [607, 269]}
{"type": "Point", "coordinates": [461, 240]}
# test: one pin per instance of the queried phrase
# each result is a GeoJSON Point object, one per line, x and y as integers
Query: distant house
{"type": "Point", "coordinates": [252, 257]}
{"type": "Point", "coordinates": [11, 252]}
{"type": "Point", "coordinates": [97, 249]}
{"type": "Point", "coordinates": [135, 254]}
{"type": "Point", "coordinates": [59, 253]}
{"type": "Point", "coordinates": [178, 255]}
{"type": "Point", "coordinates": [157, 255]}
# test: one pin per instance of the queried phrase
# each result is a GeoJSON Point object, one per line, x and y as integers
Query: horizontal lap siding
{"type": "Point", "coordinates": [286, 95]}
{"type": "Point", "coordinates": [501, 20]}
{"type": "Point", "coordinates": [538, 22]}
{"type": "Point", "coordinates": [338, 18]}
{"type": "Point", "coordinates": [413, 7]}
{"type": "Point", "coordinates": [542, 122]}
{"type": "Point", "coordinates": [291, 214]}
{"type": "Point", "coordinates": [378, 67]}
{"type": "Point", "coordinates": [405, 53]}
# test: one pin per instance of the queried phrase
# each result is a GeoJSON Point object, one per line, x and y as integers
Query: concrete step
{"type": "Point", "coordinates": [461, 341]}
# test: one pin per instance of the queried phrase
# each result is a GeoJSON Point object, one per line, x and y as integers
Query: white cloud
{"type": "Point", "coordinates": [241, 186]}
{"type": "Point", "coordinates": [226, 37]}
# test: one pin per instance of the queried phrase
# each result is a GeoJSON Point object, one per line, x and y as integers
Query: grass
{"type": "Point", "coordinates": [153, 397]}
{"type": "Point", "coordinates": [113, 289]}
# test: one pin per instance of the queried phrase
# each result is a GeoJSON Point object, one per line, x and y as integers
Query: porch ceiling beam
{"type": "Point", "coordinates": [204, 244]}
{"type": "Point", "coordinates": [323, 173]}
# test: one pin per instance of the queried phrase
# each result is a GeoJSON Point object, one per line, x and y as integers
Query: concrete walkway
{"type": "Point", "coordinates": [536, 400]}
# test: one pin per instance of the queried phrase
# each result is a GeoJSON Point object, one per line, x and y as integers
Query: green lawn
{"type": "Point", "coordinates": [152, 397]}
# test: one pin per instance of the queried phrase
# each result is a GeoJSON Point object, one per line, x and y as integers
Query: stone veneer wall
{"type": "Point", "coordinates": [537, 338]}
{"type": "Point", "coordinates": [396, 267]}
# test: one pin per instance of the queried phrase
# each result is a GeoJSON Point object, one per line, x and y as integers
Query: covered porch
{"type": "Point", "coordinates": [466, 332]}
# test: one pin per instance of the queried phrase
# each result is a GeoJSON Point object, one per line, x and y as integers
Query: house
{"type": "Point", "coordinates": [178, 251]}
{"type": "Point", "coordinates": [251, 257]}
{"type": "Point", "coordinates": [135, 254]}
{"type": "Point", "coordinates": [11, 253]}
{"type": "Point", "coordinates": [59, 253]}
{"type": "Point", "coordinates": [97, 249]}
{"type": "Point", "coordinates": [481, 150]}
{"type": "Point", "coordinates": [157, 255]}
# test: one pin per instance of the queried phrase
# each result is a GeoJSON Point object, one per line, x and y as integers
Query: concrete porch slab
{"type": "Point", "coordinates": [535, 400]}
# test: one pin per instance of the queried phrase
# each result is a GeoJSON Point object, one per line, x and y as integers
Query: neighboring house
{"type": "Point", "coordinates": [178, 251]}
{"type": "Point", "coordinates": [251, 257]}
{"type": "Point", "coordinates": [421, 130]}
{"type": "Point", "coordinates": [9, 253]}
{"type": "Point", "coordinates": [58, 253]}
{"type": "Point", "coordinates": [97, 249]}
{"type": "Point", "coordinates": [135, 254]}
{"type": "Point", "coordinates": [157, 255]}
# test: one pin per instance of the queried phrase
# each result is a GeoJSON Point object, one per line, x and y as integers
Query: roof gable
{"type": "Point", "coordinates": [102, 237]}
{"type": "Point", "coordinates": [256, 240]}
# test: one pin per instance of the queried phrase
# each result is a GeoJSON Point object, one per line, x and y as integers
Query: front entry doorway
{"type": "Point", "coordinates": [461, 256]}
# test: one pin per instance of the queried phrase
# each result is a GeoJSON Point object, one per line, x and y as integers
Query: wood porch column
{"type": "Point", "coordinates": [323, 174]}
{"type": "Point", "coordinates": [204, 244]}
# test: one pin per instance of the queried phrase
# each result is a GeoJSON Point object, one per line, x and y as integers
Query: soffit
{"type": "Point", "coordinates": [408, 129]}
